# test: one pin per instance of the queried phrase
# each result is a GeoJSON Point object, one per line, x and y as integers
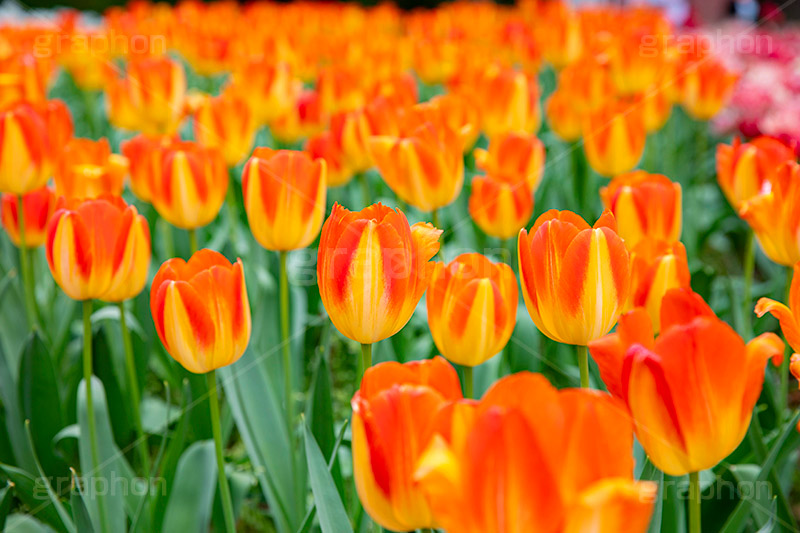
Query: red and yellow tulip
{"type": "Point", "coordinates": [37, 208]}
{"type": "Point", "coordinates": [201, 311]}
{"type": "Point", "coordinates": [746, 170]}
{"type": "Point", "coordinates": [708, 381]}
{"type": "Point", "coordinates": [26, 153]}
{"type": "Point", "coordinates": [88, 169]}
{"type": "Point", "coordinates": [472, 308]}
{"type": "Point", "coordinates": [284, 196]}
{"type": "Point", "coordinates": [575, 278]}
{"type": "Point", "coordinates": [500, 208]}
{"type": "Point", "coordinates": [145, 156]}
{"type": "Point", "coordinates": [227, 123]}
{"type": "Point", "coordinates": [646, 206]}
{"type": "Point", "coordinates": [98, 248]}
{"type": "Point", "coordinates": [372, 269]}
{"type": "Point", "coordinates": [614, 138]}
{"type": "Point", "coordinates": [512, 157]}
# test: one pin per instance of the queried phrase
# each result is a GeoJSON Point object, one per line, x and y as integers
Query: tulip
{"type": "Point", "coordinates": [268, 86]}
{"type": "Point", "coordinates": [392, 411]}
{"type": "Point", "coordinates": [513, 157]}
{"type": "Point", "coordinates": [226, 123]}
{"type": "Point", "coordinates": [461, 114]}
{"type": "Point", "coordinates": [284, 196]}
{"type": "Point", "coordinates": [98, 248]}
{"type": "Point", "coordinates": [58, 123]}
{"type": "Point", "coordinates": [500, 208]}
{"type": "Point", "coordinates": [25, 150]}
{"type": "Point", "coordinates": [745, 170]}
{"type": "Point", "coordinates": [562, 117]}
{"type": "Point", "coordinates": [698, 417]}
{"type": "Point", "coordinates": [37, 208]}
{"type": "Point", "coordinates": [646, 206]}
{"type": "Point", "coordinates": [144, 155]}
{"type": "Point", "coordinates": [656, 107]}
{"type": "Point", "coordinates": [509, 101]}
{"type": "Point", "coordinates": [372, 270]}
{"type": "Point", "coordinates": [88, 169]}
{"type": "Point", "coordinates": [614, 138]}
{"type": "Point", "coordinates": [351, 131]}
{"type": "Point", "coordinates": [202, 316]}
{"type": "Point", "coordinates": [156, 92]}
{"type": "Point", "coordinates": [561, 29]}
{"type": "Point", "coordinates": [472, 309]}
{"type": "Point", "coordinates": [25, 78]}
{"type": "Point", "coordinates": [192, 186]}
{"type": "Point", "coordinates": [705, 87]}
{"type": "Point", "coordinates": [304, 120]}
{"type": "Point", "coordinates": [774, 216]}
{"type": "Point", "coordinates": [507, 464]}
{"type": "Point", "coordinates": [787, 315]}
{"type": "Point", "coordinates": [656, 267]}
{"type": "Point", "coordinates": [424, 165]}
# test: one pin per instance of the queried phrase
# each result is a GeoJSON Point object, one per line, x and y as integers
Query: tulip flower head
{"type": "Point", "coordinates": [512, 157]}
{"type": "Point", "coordinates": [98, 248]}
{"type": "Point", "coordinates": [88, 169]}
{"type": "Point", "coordinates": [392, 413]}
{"type": "Point", "coordinates": [745, 170]}
{"type": "Point", "coordinates": [192, 185]}
{"type": "Point", "coordinates": [500, 207]}
{"type": "Point", "coordinates": [698, 417]}
{"type": "Point", "coordinates": [646, 206]}
{"type": "Point", "coordinates": [227, 123]}
{"type": "Point", "coordinates": [575, 278]}
{"type": "Point", "coordinates": [37, 208]}
{"type": "Point", "coordinates": [284, 196]}
{"type": "Point", "coordinates": [145, 156]}
{"type": "Point", "coordinates": [614, 138]}
{"type": "Point", "coordinates": [201, 311]}
{"type": "Point", "coordinates": [774, 216]}
{"type": "Point", "coordinates": [787, 315]}
{"type": "Point", "coordinates": [372, 270]}
{"type": "Point", "coordinates": [472, 308]}
{"type": "Point", "coordinates": [26, 153]}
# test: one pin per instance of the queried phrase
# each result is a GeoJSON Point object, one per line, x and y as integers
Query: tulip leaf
{"type": "Point", "coordinates": [6, 497]}
{"type": "Point", "coordinates": [30, 491]}
{"type": "Point", "coordinates": [19, 523]}
{"type": "Point", "coordinates": [332, 515]}
{"type": "Point", "coordinates": [80, 514]}
{"type": "Point", "coordinates": [13, 417]}
{"type": "Point", "coordinates": [192, 495]}
{"type": "Point", "coordinates": [44, 480]}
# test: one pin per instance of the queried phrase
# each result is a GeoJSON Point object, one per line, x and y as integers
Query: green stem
{"type": "Point", "coordinates": [468, 381]}
{"type": "Point", "coordinates": [24, 266]}
{"type": "Point", "coordinates": [225, 493]}
{"type": "Point", "coordinates": [579, 178]}
{"type": "Point", "coordinates": [694, 502]}
{"type": "Point", "coordinates": [232, 206]}
{"type": "Point", "coordinates": [285, 342]}
{"type": "Point", "coordinates": [747, 298]}
{"type": "Point", "coordinates": [366, 359]}
{"type": "Point", "coordinates": [133, 385]}
{"type": "Point", "coordinates": [192, 241]}
{"type": "Point", "coordinates": [583, 364]}
{"type": "Point", "coordinates": [437, 224]}
{"type": "Point", "coordinates": [89, 101]}
{"type": "Point", "coordinates": [166, 237]}
{"type": "Point", "coordinates": [87, 380]}
{"type": "Point", "coordinates": [785, 362]}
{"type": "Point", "coordinates": [366, 197]}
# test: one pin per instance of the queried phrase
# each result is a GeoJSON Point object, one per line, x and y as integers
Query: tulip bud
{"type": "Point", "coordinates": [372, 269]}
{"type": "Point", "coordinates": [575, 278]}
{"type": "Point", "coordinates": [284, 196]}
{"type": "Point", "coordinates": [472, 308]}
{"type": "Point", "coordinates": [98, 248]}
{"type": "Point", "coordinates": [193, 184]}
{"type": "Point", "coordinates": [37, 208]}
{"type": "Point", "coordinates": [201, 311]}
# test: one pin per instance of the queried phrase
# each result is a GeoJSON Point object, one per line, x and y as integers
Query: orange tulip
{"type": "Point", "coordinates": [26, 158]}
{"type": "Point", "coordinates": [192, 186]}
{"type": "Point", "coordinates": [119, 107]}
{"type": "Point", "coordinates": [461, 114]}
{"type": "Point", "coordinates": [145, 154]}
{"type": "Point", "coordinates": [788, 316]}
{"type": "Point", "coordinates": [472, 308]}
{"type": "Point", "coordinates": [37, 208]}
{"type": "Point", "coordinates": [509, 101]}
{"type": "Point", "coordinates": [98, 248]}
{"type": "Point", "coordinates": [745, 170]}
{"type": "Point", "coordinates": [575, 278]}
{"type": "Point", "coordinates": [614, 137]}
{"type": "Point", "coordinates": [88, 169]}
{"type": "Point", "coordinates": [774, 216]}
{"type": "Point", "coordinates": [656, 267]}
{"type": "Point", "coordinates": [226, 123]}
{"type": "Point", "coordinates": [304, 120]}
{"type": "Point", "coordinates": [25, 78]}
{"type": "Point", "coordinates": [392, 412]}
{"type": "Point", "coordinates": [500, 208]}
{"type": "Point", "coordinates": [646, 206]}
{"type": "Point", "coordinates": [512, 157]}
{"type": "Point", "coordinates": [201, 311]}
{"type": "Point", "coordinates": [58, 122]}
{"type": "Point", "coordinates": [656, 107]}
{"type": "Point", "coordinates": [708, 381]}
{"type": "Point", "coordinates": [157, 89]}
{"type": "Point", "coordinates": [284, 196]}
{"type": "Point", "coordinates": [562, 117]}
{"type": "Point", "coordinates": [351, 132]}
{"type": "Point", "coordinates": [561, 32]}
{"type": "Point", "coordinates": [705, 86]}
{"type": "Point", "coordinates": [508, 464]}
{"type": "Point", "coordinates": [424, 165]}
{"type": "Point", "coordinates": [372, 269]}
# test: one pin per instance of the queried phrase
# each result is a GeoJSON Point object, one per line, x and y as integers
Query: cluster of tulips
{"type": "Point", "coordinates": [336, 87]}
